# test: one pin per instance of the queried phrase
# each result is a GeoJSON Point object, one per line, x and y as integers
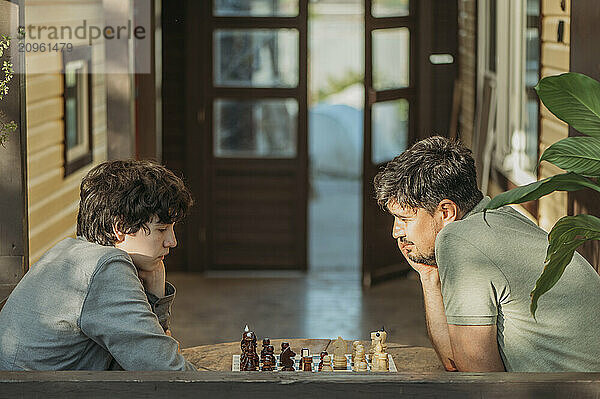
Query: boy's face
{"type": "Point", "coordinates": [148, 250]}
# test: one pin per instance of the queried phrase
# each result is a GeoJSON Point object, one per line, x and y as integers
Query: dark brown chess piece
{"type": "Point", "coordinates": [286, 358]}
{"type": "Point", "coordinates": [269, 360]}
{"type": "Point", "coordinates": [307, 363]}
{"type": "Point", "coordinates": [323, 354]}
{"type": "Point", "coordinates": [249, 357]}
{"type": "Point", "coordinates": [265, 344]}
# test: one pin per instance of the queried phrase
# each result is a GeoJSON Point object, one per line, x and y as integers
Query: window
{"type": "Point", "coordinates": [509, 55]}
{"type": "Point", "coordinates": [77, 109]}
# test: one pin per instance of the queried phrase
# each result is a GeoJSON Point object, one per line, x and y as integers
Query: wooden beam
{"type": "Point", "coordinates": [13, 166]}
{"type": "Point", "coordinates": [77, 384]}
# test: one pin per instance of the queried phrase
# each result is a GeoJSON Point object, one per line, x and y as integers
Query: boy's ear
{"type": "Point", "coordinates": [120, 236]}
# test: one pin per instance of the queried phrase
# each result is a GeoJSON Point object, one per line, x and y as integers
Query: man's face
{"type": "Point", "coordinates": [415, 230]}
{"type": "Point", "coordinates": [148, 250]}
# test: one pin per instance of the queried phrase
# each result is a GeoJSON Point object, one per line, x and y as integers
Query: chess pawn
{"type": "Point", "coordinates": [326, 364]}
{"type": "Point", "coordinates": [323, 354]}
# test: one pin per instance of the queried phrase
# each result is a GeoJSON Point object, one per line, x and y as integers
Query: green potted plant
{"type": "Point", "coordinates": [575, 99]}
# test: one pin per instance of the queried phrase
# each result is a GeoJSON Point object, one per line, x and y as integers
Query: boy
{"type": "Point", "coordinates": [100, 301]}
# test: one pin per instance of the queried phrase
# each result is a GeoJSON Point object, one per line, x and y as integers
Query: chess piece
{"type": "Point", "coordinates": [249, 357]}
{"type": "Point", "coordinates": [354, 345]}
{"type": "Point", "coordinates": [263, 352]}
{"type": "Point", "coordinates": [307, 363]}
{"type": "Point", "coordinates": [269, 361]}
{"type": "Point", "coordinates": [360, 357]}
{"type": "Point", "coordinates": [326, 364]}
{"type": "Point", "coordinates": [323, 354]}
{"type": "Point", "coordinates": [379, 336]}
{"type": "Point", "coordinates": [380, 362]}
{"type": "Point", "coordinates": [286, 358]}
{"type": "Point", "coordinates": [303, 353]}
{"type": "Point", "coordinates": [339, 354]}
{"type": "Point", "coordinates": [362, 365]}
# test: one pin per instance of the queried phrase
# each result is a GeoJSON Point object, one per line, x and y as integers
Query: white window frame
{"type": "Point", "coordinates": [509, 156]}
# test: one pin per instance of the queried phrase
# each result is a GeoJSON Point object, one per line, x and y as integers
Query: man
{"type": "Point", "coordinates": [100, 301]}
{"type": "Point", "coordinates": [477, 270]}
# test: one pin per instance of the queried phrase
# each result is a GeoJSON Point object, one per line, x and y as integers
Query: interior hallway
{"type": "Point", "coordinates": [320, 304]}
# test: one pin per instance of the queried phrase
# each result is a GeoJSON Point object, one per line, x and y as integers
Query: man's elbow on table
{"type": "Point", "coordinates": [475, 348]}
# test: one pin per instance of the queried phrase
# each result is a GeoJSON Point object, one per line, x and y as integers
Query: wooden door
{"type": "Point", "coordinates": [253, 112]}
{"type": "Point", "coordinates": [390, 99]}
{"type": "Point", "coordinates": [408, 96]}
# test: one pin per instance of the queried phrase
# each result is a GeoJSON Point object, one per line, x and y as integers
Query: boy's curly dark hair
{"type": "Point", "coordinates": [129, 194]}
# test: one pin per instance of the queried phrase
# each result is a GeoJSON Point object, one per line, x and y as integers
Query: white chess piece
{"type": "Point", "coordinates": [327, 363]}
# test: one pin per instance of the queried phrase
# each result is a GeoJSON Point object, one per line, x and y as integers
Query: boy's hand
{"type": "Point", "coordinates": [154, 280]}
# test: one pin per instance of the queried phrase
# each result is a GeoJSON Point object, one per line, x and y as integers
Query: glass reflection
{"type": "Point", "coordinates": [256, 57]}
{"type": "Point", "coordinates": [255, 8]}
{"type": "Point", "coordinates": [391, 52]}
{"type": "Point", "coordinates": [390, 8]}
{"type": "Point", "coordinates": [390, 129]}
{"type": "Point", "coordinates": [255, 128]}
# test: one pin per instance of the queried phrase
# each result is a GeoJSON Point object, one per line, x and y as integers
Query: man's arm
{"type": "Point", "coordinates": [435, 317]}
{"type": "Point", "coordinates": [437, 327]}
{"type": "Point", "coordinates": [475, 348]}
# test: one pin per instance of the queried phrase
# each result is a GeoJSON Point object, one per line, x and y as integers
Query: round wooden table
{"type": "Point", "coordinates": [218, 357]}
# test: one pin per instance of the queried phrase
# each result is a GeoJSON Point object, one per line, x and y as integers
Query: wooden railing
{"type": "Point", "coordinates": [85, 384]}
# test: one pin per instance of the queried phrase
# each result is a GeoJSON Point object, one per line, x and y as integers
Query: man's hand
{"type": "Point", "coordinates": [154, 280]}
{"type": "Point", "coordinates": [425, 271]}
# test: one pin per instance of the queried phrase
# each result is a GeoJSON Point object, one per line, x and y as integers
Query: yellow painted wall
{"type": "Point", "coordinates": [53, 199]}
{"type": "Point", "coordinates": [554, 61]}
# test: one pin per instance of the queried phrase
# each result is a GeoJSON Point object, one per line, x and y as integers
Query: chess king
{"type": "Point", "coordinates": [249, 358]}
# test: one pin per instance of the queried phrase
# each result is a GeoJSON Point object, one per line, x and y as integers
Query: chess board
{"type": "Point", "coordinates": [235, 365]}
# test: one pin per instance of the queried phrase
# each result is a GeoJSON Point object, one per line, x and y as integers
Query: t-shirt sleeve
{"type": "Point", "coordinates": [117, 316]}
{"type": "Point", "coordinates": [472, 286]}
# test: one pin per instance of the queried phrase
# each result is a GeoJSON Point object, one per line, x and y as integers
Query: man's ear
{"type": "Point", "coordinates": [448, 211]}
{"type": "Point", "coordinates": [118, 234]}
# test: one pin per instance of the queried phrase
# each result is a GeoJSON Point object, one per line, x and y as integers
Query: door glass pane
{"type": "Point", "coordinates": [255, 128]}
{"type": "Point", "coordinates": [255, 8]}
{"type": "Point", "coordinates": [391, 50]}
{"type": "Point", "coordinates": [256, 57]}
{"type": "Point", "coordinates": [390, 129]}
{"type": "Point", "coordinates": [389, 8]}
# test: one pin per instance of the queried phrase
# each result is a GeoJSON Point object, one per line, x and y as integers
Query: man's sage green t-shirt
{"type": "Point", "coordinates": [488, 267]}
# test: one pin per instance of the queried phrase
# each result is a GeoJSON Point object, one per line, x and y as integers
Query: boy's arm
{"type": "Point", "coordinates": [117, 316]}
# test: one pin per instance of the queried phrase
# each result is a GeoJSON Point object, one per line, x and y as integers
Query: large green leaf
{"type": "Point", "coordinates": [575, 154]}
{"type": "Point", "coordinates": [563, 182]}
{"type": "Point", "coordinates": [573, 98]}
{"type": "Point", "coordinates": [566, 235]}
